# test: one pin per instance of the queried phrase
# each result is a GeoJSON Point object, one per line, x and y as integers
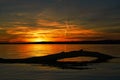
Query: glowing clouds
{"type": "Point", "coordinates": [47, 30]}
{"type": "Point", "coordinates": [59, 20]}
{"type": "Point", "coordinates": [25, 34]}
{"type": "Point", "coordinates": [51, 24]}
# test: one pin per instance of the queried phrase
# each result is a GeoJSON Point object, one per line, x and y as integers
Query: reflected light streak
{"type": "Point", "coordinates": [32, 50]}
{"type": "Point", "coordinates": [77, 59]}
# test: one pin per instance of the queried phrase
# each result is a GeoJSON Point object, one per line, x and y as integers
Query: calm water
{"type": "Point", "coordinates": [102, 71]}
{"type": "Point", "coordinates": [31, 50]}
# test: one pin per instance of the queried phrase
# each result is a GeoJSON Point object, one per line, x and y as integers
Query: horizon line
{"type": "Point", "coordinates": [68, 42]}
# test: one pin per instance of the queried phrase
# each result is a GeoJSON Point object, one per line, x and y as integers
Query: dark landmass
{"type": "Point", "coordinates": [53, 60]}
{"type": "Point", "coordinates": [68, 42]}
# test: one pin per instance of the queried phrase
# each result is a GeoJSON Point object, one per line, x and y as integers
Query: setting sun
{"type": "Point", "coordinates": [36, 37]}
{"type": "Point", "coordinates": [37, 40]}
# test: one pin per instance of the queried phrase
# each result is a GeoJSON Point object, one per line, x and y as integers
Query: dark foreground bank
{"type": "Point", "coordinates": [53, 60]}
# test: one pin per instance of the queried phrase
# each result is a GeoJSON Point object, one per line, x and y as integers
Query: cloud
{"type": "Point", "coordinates": [1, 28]}
{"type": "Point", "coordinates": [52, 24]}
{"type": "Point", "coordinates": [18, 30]}
{"type": "Point", "coordinates": [106, 18]}
{"type": "Point", "coordinates": [70, 19]}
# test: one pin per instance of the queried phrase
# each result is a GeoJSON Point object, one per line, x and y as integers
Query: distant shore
{"type": "Point", "coordinates": [68, 42]}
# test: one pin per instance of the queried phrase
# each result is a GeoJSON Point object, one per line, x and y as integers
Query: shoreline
{"type": "Point", "coordinates": [68, 42]}
{"type": "Point", "coordinates": [52, 60]}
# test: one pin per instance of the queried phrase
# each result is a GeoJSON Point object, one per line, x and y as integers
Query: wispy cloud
{"type": "Point", "coordinates": [51, 24]}
{"type": "Point", "coordinates": [59, 19]}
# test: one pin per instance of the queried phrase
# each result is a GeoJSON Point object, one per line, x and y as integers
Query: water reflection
{"type": "Point", "coordinates": [77, 59]}
{"type": "Point", "coordinates": [30, 50]}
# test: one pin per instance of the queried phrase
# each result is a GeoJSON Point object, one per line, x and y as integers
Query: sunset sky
{"type": "Point", "coordinates": [59, 20]}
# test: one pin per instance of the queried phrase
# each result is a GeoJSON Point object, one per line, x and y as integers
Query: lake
{"type": "Point", "coordinates": [101, 71]}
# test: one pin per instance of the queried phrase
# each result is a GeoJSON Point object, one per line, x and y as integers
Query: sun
{"type": "Point", "coordinates": [37, 40]}
{"type": "Point", "coordinates": [36, 37]}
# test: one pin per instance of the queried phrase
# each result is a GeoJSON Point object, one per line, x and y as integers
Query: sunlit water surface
{"type": "Point", "coordinates": [102, 71]}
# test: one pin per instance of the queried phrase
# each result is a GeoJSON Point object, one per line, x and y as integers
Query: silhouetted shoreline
{"type": "Point", "coordinates": [68, 42]}
{"type": "Point", "coordinates": [52, 60]}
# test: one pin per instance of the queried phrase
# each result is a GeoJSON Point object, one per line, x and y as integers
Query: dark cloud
{"type": "Point", "coordinates": [98, 15]}
{"type": "Point", "coordinates": [87, 38]}
{"type": "Point", "coordinates": [107, 19]}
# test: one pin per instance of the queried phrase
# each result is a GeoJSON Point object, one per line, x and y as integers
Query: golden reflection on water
{"type": "Point", "coordinates": [32, 50]}
{"type": "Point", "coordinates": [77, 59]}
{"type": "Point", "coordinates": [42, 50]}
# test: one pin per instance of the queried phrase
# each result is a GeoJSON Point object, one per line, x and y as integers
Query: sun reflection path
{"type": "Point", "coordinates": [32, 50]}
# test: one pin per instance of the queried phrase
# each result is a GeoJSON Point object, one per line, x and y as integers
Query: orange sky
{"type": "Point", "coordinates": [59, 20]}
{"type": "Point", "coordinates": [64, 32]}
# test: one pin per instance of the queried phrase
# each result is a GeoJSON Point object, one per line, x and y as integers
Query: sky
{"type": "Point", "coordinates": [59, 20]}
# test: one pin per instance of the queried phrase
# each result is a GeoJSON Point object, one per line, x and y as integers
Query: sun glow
{"type": "Point", "coordinates": [37, 40]}
{"type": "Point", "coordinates": [36, 37]}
